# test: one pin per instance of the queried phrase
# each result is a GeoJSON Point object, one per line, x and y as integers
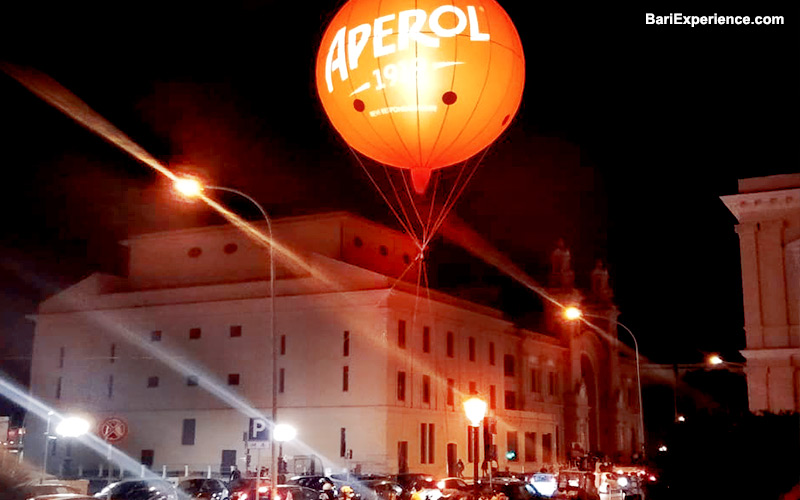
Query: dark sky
{"type": "Point", "coordinates": [626, 137]}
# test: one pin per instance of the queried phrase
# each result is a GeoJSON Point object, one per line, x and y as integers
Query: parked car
{"type": "Point", "coordinates": [578, 484]}
{"type": "Point", "coordinates": [258, 489]}
{"type": "Point", "coordinates": [413, 481]}
{"type": "Point", "coordinates": [544, 484]}
{"type": "Point", "coordinates": [455, 488]}
{"type": "Point", "coordinates": [53, 491]}
{"type": "Point", "coordinates": [139, 489]}
{"type": "Point", "coordinates": [315, 482]}
{"type": "Point", "coordinates": [513, 488]}
{"type": "Point", "coordinates": [204, 488]}
{"type": "Point", "coordinates": [377, 489]}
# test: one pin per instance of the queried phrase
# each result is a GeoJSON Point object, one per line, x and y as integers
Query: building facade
{"type": "Point", "coordinates": [371, 370]}
{"type": "Point", "coordinates": [768, 213]}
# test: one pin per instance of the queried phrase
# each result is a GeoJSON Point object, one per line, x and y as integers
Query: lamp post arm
{"type": "Point", "coordinates": [639, 384]}
{"type": "Point", "coordinates": [273, 458]}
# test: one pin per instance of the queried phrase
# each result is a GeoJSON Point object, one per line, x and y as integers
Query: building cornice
{"type": "Point", "coordinates": [775, 353]}
{"type": "Point", "coordinates": [755, 206]}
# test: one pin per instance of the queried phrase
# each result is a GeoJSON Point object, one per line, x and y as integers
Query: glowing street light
{"type": "Point", "coordinates": [681, 418]}
{"type": "Point", "coordinates": [188, 187]}
{"type": "Point", "coordinates": [192, 188]}
{"type": "Point", "coordinates": [662, 448]}
{"type": "Point", "coordinates": [573, 313]}
{"type": "Point", "coordinates": [282, 433]}
{"type": "Point", "coordinates": [715, 359]}
{"type": "Point", "coordinates": [73, 427]}
{"type": "Point", "coordinates": [475, 409]}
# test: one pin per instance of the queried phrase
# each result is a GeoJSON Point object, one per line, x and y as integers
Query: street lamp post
{"type": "Point", "coordinates": [192, 188]}
{"type": "Point", "coordinates": [573, 313]}
{"type": "Point", "coordinates": [72, 427]}
{"type": "Point", "coordinates": [282, 434]}
{"type": "Point", "coordinates": [46, 447]}
{"type": "Point", "coordinates": [475, 409]}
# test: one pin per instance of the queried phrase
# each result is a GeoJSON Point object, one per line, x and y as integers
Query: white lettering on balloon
{"type": "Point", "coordinates": [348, 46]}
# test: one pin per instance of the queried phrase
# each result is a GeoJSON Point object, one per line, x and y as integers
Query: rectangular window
{"type": "Point", "coordinates": [492, 397]}
{"type": "Point", "coordinates": [401, 386]}
{"type": "Point", "coordinates": [236, 331]}
{"type": "Point", "coordinates": [530, 446]}
{"type": "Point", "coordinates": [155, 336]}
{"type": "Point", "coordinates": [536, 380]}
{"type": "Point", "coordinates": [470, 444]}
{"type": "Point", "coordinates": [401, 334]}
{"type": "Point", "coordinates": [426, 389]}
{"type": "Point", "coordinates": [192, 380]}
{"type": "Point", "coordinates": [194, 333]}
{"type": "Point", "coordinates": [187, 437]}
{"type": "Point", "coordinates": [152, 381]}
{"type": "Point", "coordinates": [491, 353]}
{"type": "Point", "coordinates": [512, 454]}
{"type": "Point", "coordinates": [281, 380]}
{"type": "Point", "coordinates": [346, 344]}
{"type": "Point", "coordinates": [547, 448]}
{"type": "Point", "coordinates": [345, 378]}
{"type": "Point", "coordinates": [552, 383]}
{"type": "Point", "coordinates": [508, 365]}
{"type": "Point", "coordinates": [342, 441]}
{"type": "Point", "coordinates": [427, 442]}
{"type": "Point", "coordinates": [450, 345]}
{"type": "Point", "coordinates": [61, 358]}
{"type": "Point", "coordinates": [233, 379]}
{"type": "Point", "coordinates": [283, 345]}
{"type": "Point", "coordinates": [431, 442]}
{"type": "Point", "coordinates": [110, 386]}
{"type": "Point", "coordinates": [472, 348]}
{"type": "Point", "coordinates": [423, 443]}
{"type": "Point", "coordinates": [148, 457]}
{"type": "Point", "coordinates": [451, 391]}
{"type": "Point", "coordinates": [113, 356]}
{"type": "Point", "coordinates": [426, 339]}
{"type": "Point", "coordinates": [473, 388]}
{"type": "Point", "coordinates": [511, 400]}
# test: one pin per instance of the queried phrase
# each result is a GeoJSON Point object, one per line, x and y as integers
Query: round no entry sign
{"type": "Point", "coordinates": [113, 429]}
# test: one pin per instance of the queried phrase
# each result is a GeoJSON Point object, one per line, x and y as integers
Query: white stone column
{"type": "Point", "coordinates": [750, 285]}
{"type": "Point", "coordinates": [772, 276]}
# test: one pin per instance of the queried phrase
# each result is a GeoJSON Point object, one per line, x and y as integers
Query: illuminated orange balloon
{"type": "Point", "coordinates": [420, 84]}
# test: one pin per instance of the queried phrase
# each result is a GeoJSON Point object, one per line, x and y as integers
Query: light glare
{"type": "Point", "coordinates": [284, 432]}
{"type": "Point", "coordinates": [72, 427]}
{"type": "Point", "coordinates": [572, 313]}
{"type": "Point", "coordinates": [475, 408]}
{"type": "Point", "coordinates": [188, 187]}
{"type": "Point", "coordinates": [714, 359]}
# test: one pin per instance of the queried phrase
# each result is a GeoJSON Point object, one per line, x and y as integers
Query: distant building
{"type": "Point", "coordinates": [372, 371]}
{"type": "Point", "coordinates": [768, 211]}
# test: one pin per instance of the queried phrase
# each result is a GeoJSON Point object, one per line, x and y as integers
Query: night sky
{"type": "Point", "coordinates": [626, 137]}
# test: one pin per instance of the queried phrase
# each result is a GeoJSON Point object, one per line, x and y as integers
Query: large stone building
{"type": "Point", "coordinates": [768, 212]}
{"type": "Point", "coordinates": [372, 370]}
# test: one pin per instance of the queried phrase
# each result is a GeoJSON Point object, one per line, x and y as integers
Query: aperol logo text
{"type": "Point", "coordinates": [414, 24]}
